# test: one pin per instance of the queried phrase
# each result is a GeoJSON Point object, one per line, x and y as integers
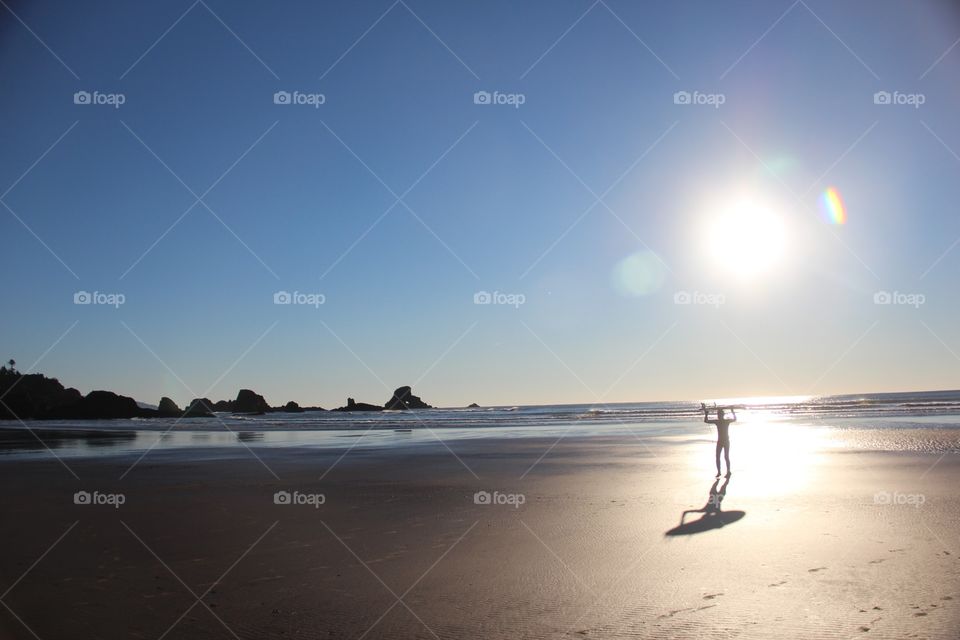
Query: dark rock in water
{"type": "Point", "coordinates": [168, 408]}
{"type": "Point", "coordinates": [199, 408]}
{"type": "Point", "coordinates": [105, 405]}
{"type": "Point", "coordinates": [403, 398]}
{"type": "Point", "coordinates": [33, 395]}
{"type": "Point", "coordinates": [353, 405]}
{"type": "Point", "coordinates": [70, 397]}
{"type": "Point", "coordinates": [249, 402]}
{"type": "Point", "coordinates": [37, 397]}
{"type": "Point", "coordinates": [473, 405]}
{"type": "Point", "coordinates": [292, 407]}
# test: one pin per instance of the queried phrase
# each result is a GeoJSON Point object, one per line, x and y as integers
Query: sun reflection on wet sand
{"type": "Point", "coordinates": [768, 455]}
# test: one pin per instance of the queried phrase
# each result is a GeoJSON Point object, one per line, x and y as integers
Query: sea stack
{"type": "Point", "coordinates": [168, 408]}
{"type": "Point", "coordinates": [198, 408]}
{"type": "Point", "coordinates": [403, 398]}
{"type": "Point", "coordinates": [353, 405]}
{"type": "Point", "coordinates": [249, 402]}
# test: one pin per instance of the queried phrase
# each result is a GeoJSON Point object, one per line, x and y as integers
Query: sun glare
{"type": "Point", "coordinates": [746, 240]}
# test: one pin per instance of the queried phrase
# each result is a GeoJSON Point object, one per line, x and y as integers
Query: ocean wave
{"type": "Point", "coordinates": [882, 407]}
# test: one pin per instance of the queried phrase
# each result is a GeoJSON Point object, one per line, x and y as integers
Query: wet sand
{"type": "Point", "coordinates": [829, 544]}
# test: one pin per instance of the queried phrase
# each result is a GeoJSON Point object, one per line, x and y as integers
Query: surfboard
{"type": "Point", "coordinates": [725, 407]}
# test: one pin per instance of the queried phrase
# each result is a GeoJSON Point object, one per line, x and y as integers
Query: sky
{"type": "Point", "coordinates": [180, 166]}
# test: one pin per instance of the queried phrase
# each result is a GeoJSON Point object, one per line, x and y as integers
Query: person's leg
{"type": "Point", "coordinates": [726, 456]}
{"type": "Point", "coordinates": [719, 446]}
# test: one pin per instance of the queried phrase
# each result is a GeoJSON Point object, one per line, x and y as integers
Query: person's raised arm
{"type": "Point", "coordinates": [734, 412]}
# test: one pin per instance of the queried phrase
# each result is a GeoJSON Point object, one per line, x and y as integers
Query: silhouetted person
{"type": "Point", "coordinates": [723, 433]}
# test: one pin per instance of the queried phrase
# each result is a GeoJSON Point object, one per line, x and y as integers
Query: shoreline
{"type": "Point", "coordinates": [78, 442]}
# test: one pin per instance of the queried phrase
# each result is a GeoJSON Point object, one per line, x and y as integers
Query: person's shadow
{"type": "Point", "coordinates": [713, 516]}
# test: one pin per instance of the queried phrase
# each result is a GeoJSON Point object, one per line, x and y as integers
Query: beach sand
{"type": "Point", "coordinates": [832, 544]}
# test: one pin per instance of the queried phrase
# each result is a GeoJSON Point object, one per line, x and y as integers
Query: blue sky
{"type": "Point", "coordinates": [493, 198]}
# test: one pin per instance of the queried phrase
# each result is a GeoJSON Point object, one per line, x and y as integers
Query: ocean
{"type": "Point", "coordinates": [936, 412]}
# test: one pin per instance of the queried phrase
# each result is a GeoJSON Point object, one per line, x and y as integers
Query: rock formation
{"type": "Point", "coordinates": [403, 398]}
{"type": "Point", "coordinates": [249, 402]}
{"type": "Point", "coordinates": [168, 408]}
{"type": "Point", "coordinates": [198, 408]}
{"type": "Point", "coordinates": [33, 395]}
{"type": "Point", "coordinates": [353, 405]}
{"type": "Point", "coordinates": [105, 405]}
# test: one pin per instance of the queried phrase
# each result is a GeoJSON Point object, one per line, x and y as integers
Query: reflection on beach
{"type": "Point", "coordinates": [788, 452]}
{"type": "Point", "coordinates": [84, 442]}
{"type": "Point", "coordinates": [38, 441]}
{"type": "Point", "coordinates": [12, 440]}
{"type": "Point", "coordinates": [764, 446]}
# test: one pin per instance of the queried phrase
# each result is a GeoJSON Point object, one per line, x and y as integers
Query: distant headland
{"type": "Point", "coordinates": [34, 396]}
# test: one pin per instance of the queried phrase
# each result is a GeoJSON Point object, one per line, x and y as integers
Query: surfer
{"type": "Point", "coordinates": [723, 432]}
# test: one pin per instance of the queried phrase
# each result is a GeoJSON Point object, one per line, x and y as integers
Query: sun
{"type": "Point", "coordinates": [746, 239]}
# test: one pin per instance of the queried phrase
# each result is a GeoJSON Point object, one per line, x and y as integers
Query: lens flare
{"type": "Point", "coordinates": [639, 274]}
{"type": "Point", "coordinates": [833, 206]}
